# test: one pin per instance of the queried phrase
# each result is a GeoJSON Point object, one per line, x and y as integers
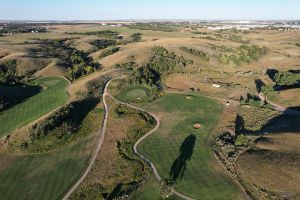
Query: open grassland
{"type": "Point", "coordinates": [182, 153]}
{"type": "Point", "coordinates": [43, 176]}
{"type": "Point", "coordinates": [274, 156]}
{"type": "Point", "coordinates": [287, 98]}
{"type": "Point", "coordinates": [270, 168]}
{"type": "Point", "coordinates": [53, 95]}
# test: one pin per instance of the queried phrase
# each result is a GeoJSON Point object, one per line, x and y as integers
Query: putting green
{"type": "Point", "coordinates": [181, 152]}
{"type": "Point", "coordinates": [133, 93]}
{"type": "Point", "coordinates": [53, 95]}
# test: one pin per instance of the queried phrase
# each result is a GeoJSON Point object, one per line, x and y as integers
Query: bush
{"type": "Point", "coordinates": [244, 54]}
{"type": "Point", "coordinates": [103, 43]}
{"type": "Point", "coordinates": [204, 56]}
{"type": "Point", "coordinates": [109, 51]}
{"type": "Point", "coordinates": [287, 78]}
{"type": "Point", "coordinates": [242, 140]}
{"type": "Point", "coordinates": [137, 37]}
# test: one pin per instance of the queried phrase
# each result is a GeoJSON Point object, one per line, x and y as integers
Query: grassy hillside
{"type": "Point", "coordinates": [53, 95]}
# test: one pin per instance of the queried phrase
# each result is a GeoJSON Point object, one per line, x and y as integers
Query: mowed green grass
{"type": "Point", "coordinates": [133, 93]}
{"type": "Point", "coordinates": [53, 95]}
{"type": "Point", "coordinates": [203, 178]}
{"type": "Point", "coordinates": [43, 176]}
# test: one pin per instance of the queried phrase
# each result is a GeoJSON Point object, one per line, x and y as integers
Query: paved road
{"type": "Point", "coordinates": [97, 150]}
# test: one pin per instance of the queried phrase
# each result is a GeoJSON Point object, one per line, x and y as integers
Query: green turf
{"type": "Point", "coordinates": [150, 190]}
{"type": "Point", "coordinates": [53, 95]}
{"type": "Point", "coordinates": [132, 93]}
{"type": "Point", "coordinates": [44, 176]}
{"type": "Point", "coordinates": [178, 115]}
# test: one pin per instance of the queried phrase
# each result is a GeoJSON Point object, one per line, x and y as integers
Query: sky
{"type": "Point", "coordinates": [149, 9]}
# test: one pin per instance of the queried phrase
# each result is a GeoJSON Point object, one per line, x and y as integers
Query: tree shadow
{"type": "Point", "coordinates": [271, 73]}
{"type": "Point", "coordinates": [11, 95]}
{"type": "Point", "coordinates": [185, 154]}
{"type": "Point", "coordinates": [259, 85]}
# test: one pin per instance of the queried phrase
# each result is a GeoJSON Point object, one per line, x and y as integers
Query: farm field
{"type": "Point", "coordinates": [53, 95]}
{"type": "Point", "coordinates": [187, 157]}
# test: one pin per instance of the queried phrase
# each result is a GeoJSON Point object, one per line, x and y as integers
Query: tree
{"type": "Point", "coordinates": [137, 37]}
{"type": "Point", "coordinates": [8, 71]}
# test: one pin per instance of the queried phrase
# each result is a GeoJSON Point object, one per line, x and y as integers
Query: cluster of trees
{"type": "Point", "coordinates": [286, 78]}
{"type": "Point", "coordinates": [80, 64]}
{"type": "Point", "coordinates": [109, 51]}
{"type": "Point", "coordinates": [137, 37]}
{"type": "Point", "coordinates": [77, 63]}
{"type": "Point", "coordinates": [245, 54]}
{"type": "Point", "coordinates": [21, 28]}
{"type": "Point", "coordinates": [8, 72]}
{"type": "Point", "coordinates": [164, 61]}
{"type": "Point", "coordinates": [153, 27]}
{"type": "Point", "coordinates": [103, 33]}
{"type": "Point", "coordinates": [103, 43]}
{"type": "Point", "coordinates": [203, 55]}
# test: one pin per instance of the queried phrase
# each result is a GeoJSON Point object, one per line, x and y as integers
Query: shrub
{"type": "Point", "coordinates": [109, 51]}
{"type": "Point", "coordinates": [103, 43]}
{"type": "Point", "coordinates": [242, 140]}
{"type": "Point", "coordinates": [287, 78]}
{"type": "Point", "coordinates": [137, 37]}
{"type": "Point", "coordinates": [204, 56]}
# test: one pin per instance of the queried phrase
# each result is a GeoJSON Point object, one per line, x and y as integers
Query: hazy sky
{"type": "Point", "coordinates": [148, 9]}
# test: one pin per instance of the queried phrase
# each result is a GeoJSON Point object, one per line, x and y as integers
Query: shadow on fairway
{"type": "Point", "coordinates": [185, 153]}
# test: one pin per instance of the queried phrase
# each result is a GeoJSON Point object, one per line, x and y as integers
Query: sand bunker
{"type": "Point", "coordinates": [197, 126]}
{"type": "Point", "coordinates": [189, 97]}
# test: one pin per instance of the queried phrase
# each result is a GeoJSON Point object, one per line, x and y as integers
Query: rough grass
{"type": "Point", "coordinates": [44, 176]}
{"type": "Point", "coordinates": [202, 178]}
{"type": "Point", "coordinates": [53, 95]}
{"type": "Point", "coordinates": [288, 98]}
{"type": "Point", "coordinates": [121, 169]}
{"type": "Point", "coordinates": [271, 170]}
